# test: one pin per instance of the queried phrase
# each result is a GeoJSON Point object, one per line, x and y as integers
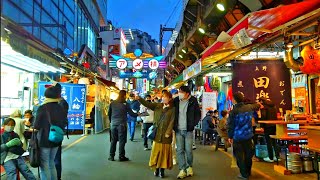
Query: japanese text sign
{"type": "Point", "coordinates": [268, 79]}
{"type": "Point", "coordinates": [75, 95]}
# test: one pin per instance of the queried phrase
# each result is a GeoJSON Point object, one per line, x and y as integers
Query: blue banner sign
{"type": "Point", "coordinates": [75, 95]}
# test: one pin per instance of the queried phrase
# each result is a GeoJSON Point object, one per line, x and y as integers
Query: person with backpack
{"type": "Point", "coordinates": [50, 122]}
{"type": "Point", "coordinates": [11, 151]}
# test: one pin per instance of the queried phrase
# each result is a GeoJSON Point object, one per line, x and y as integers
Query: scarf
{"type": "Point", "coordinates": [50, 100]}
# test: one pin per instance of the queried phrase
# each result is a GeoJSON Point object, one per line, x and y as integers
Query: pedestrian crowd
{"type": "Point", "coordinates": [168, 122]}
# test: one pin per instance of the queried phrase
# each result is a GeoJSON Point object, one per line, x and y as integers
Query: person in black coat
{"type": "Point", "coordinates": [49, 113]}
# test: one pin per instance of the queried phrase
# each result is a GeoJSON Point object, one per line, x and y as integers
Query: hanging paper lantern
{"type": "Point", "coordinates": [86, 65]}
{"type": "Point", "coordinates": [311, 60]}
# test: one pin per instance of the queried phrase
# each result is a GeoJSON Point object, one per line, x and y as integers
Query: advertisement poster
{"type": "Point", "coordinates": [263, 78]}
{"type": "Point", "coordinates": [209, 102]}
{"type": "Point", "coordinates": [75, 95]}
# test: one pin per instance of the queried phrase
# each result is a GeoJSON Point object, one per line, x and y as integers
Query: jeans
{"type": "Point", "coordinates": [146, 127]}
{"type": "Point", "coordinates": [271, 143]}
{"type": "Point", "coordinates": [243, 151]}
{"type": "Point", "coordinates": [184, 142]}
{"type": "Point", "coordinates": [132, 128]}
{"type": "Point", "coordinates": [57, 162]}
{"type": "Point", "coordinates": [47, 167]}
{"type": "Point", "coordinates": [118, 133]}
{"type": "Point", "coordinates": [11, 167]}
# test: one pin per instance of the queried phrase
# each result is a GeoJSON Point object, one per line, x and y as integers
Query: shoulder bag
{"type": "Point", "coordinates": [55, 133]}
{"type": "Point", "coordinates": [34, 150]}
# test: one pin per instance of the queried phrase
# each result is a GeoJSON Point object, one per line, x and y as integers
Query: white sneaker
{"type": "Point", "coordinates": [146, 149]}
{"type": "Point", "coordinates": [182, 174]}
{"type": "Point", "coordinates": [189, 171]}
{"type": "Point", "coordinates": [267, 159]}
{"type": "Point", "coordinates": [194, 147]}
{"type": "Point", "coordinates": [275, 159]}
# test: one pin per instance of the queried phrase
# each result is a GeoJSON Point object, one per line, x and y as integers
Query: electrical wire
{"type": "Point", "coordinates": [173, 11]}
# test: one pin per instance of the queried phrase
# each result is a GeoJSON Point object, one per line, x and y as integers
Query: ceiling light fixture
{"type": "Point", "coordinates": [184, 51]}
{"type": "Point", "coordinates": [180, 56]}
{"type": "Point", "coordinates": [220, 6]}
{"type": "Point", "coordinates": [201, 30]}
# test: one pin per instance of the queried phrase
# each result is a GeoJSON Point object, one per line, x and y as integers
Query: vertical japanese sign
{"type": "Point", "coordinates": [259, 78]}
{"type": "Point", "coordinates": [209, 102]}
{"type": "Point", "coordinates": [75, 95]}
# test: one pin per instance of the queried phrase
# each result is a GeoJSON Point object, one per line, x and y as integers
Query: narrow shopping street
{"type": "Point", "coordinates": [85, 158]}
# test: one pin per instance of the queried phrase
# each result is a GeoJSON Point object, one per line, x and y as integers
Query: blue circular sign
{"type": "Point", "coordinates": [137, 52]}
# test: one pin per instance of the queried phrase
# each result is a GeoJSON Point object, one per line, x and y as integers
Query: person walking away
{"type": "Point", "coordinates": [208, 126]}
{"type": "Point", "coordinates": [117, 114]}
{"type": "Point", "coordinates": [164, 114]}
{"type": "Point", "coordinates": [187, 116]}
{"type": "Point", "coordinates": [19, 127]}
{"type": "Point", "coordinates": [147, 121]}
{"type": "Point", "coordinates": [49, 114]}
{"type": "Point", "coordinates": [240, 133]}
{"type": "Point", "coordinates": [135, 106]}
{"type": "Point", "coordinates": [269, 112]}
{"type": "Point", "coordinates": [175, 93]}
{"type": "Point", "coordinates": [11, 151]}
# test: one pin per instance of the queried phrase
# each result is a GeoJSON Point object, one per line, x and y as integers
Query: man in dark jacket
{"type": "Point", "coordinates": [269, 112]}
{"type": "Point", "coordinates": [135, 106]}
{"type": "Point", "coordinates": [240, 133]}
{"type": "Point", "coordinates": [117, 114]}
{"type": "Point", "coordinates": [187, 117]}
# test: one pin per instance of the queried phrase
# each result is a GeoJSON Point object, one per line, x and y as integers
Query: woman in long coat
{"type": "Point", "coordinates": [161, 153]}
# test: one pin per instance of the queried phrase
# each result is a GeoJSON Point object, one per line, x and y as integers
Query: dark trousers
{"type": "Point", "coordinates": [271, 143]}
{"type": "Point", "coordinates": [146, 127]}
{"type": "Point", "coordinates": [57, 162]}
{"type": "Point", "coordinates": [118, 133]}
{"type": "Point", "coordinates": [254, 138]}
{"type": "Point", "coordinates": [243, 151]}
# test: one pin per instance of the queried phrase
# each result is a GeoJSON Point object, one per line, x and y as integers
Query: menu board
{"type": "Point", "coordinates": [75, 95]}
{"type": "Point", "coordinates": [209, 102]}
{"type": "Point", "coordinates": [263, 78]}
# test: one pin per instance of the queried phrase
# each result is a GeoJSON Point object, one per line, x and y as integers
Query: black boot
{"type": "Point", "coordinates": [161, 173]}
{"type": "Point", "coordinates": [123, 158]}
{"type": "Point", "coordinates": [156, 173]}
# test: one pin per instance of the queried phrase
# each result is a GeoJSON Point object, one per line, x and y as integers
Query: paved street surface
{"type": "Point", "coordinates": [85, 158]}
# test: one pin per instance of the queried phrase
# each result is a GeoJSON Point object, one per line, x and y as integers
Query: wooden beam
{"type": "Point", "coordinates": [260, 29]}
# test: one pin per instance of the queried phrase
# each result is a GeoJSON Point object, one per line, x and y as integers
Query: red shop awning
{"type": "Point", "coordinates": [266, 21]}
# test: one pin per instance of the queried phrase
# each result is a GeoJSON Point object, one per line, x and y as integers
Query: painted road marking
{"type": "Point", "coordinates": [74, 143]}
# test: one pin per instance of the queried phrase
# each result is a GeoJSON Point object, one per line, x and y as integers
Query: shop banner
{"type": "Point", "coordinates": [300, 80]}
{"type": "Point", "coordinates": [75, 95]}
{"type": "Point", "coordinates": [209, 102]}
{"type": "Point", "coordinates": [258, 78]}
{"type": "Point", "coordinates": [102, 102]}
{"type": "Point", "coordinates": [192, 71]}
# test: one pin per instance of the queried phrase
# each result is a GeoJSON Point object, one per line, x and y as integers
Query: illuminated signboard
{"type": "Point", "coordinates": [137, 61]}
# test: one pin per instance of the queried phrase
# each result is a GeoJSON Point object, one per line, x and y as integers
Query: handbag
{"type": "Point", "coordinates": [34, 150]}
{"type": "Point", "coordinates": [56, 134]}
{"type": "Point", "coordinates": [152, 131]}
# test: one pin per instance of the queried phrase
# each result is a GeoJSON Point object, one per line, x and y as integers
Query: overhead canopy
{"type": "Point", "coordinates": [259, 25]}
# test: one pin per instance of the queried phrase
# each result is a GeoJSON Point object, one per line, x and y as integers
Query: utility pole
{"type": "Point", "coordinates": [162, 30]}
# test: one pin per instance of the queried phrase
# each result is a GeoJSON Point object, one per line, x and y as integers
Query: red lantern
{"type": "Point", "coordinates": [86, 65]}
{"type": "Point", "coordinates": [311, 60]}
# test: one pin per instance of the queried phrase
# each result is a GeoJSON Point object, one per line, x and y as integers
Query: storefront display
{"type": "Point", "coordinates": [16, 91]}
{"type": "Point", "coordinates": [300, 94]}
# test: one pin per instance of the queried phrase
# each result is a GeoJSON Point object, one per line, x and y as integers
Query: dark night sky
{"type": "Point", "coordinates": [145, 15]}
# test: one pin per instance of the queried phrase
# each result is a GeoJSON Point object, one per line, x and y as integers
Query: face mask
{"type": "Point", "coordinates": [181, 96]}
{"type": "Point", "coordinates": [9, 128]}
{"type": "Point", "coordinates": [130, 99]}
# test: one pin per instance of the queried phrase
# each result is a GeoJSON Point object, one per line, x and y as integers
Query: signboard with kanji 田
{"type": "Point", "coordinates": [75, 95]}
{"type": "Point", "coordinates": [263, 78]}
